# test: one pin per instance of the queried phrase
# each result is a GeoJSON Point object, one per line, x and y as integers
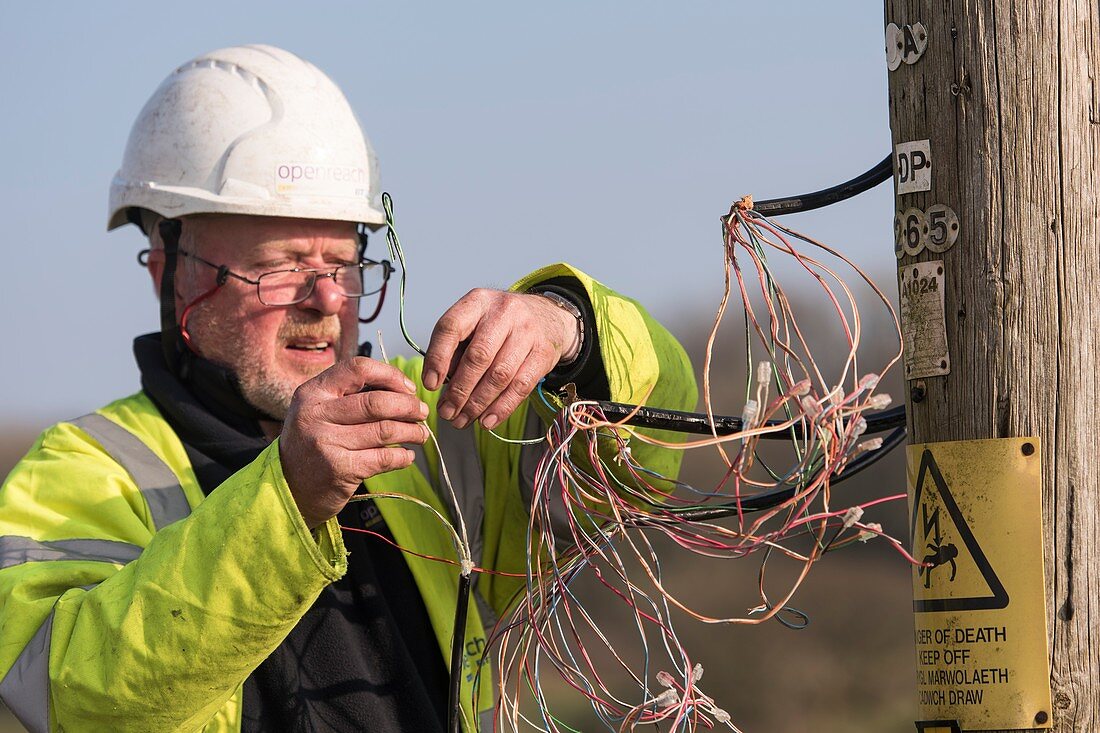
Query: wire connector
{"type": "Point", "coordinates": [749, 414]}
{"type": "Point", "coordinates": [665, 679]}
{"type": "Point", "coordinates": [879, 401]}
{"type": "Point", "coordinates": [466, 566]}
{"type": "Point", "coordinates": [869, 445]}
{"type": "Point", "coordinates": [624, 454]}
{"type": "Point", "coordinates": [873, 530]}
{"type": "Point", "coordinates": [869, 381]}
{"type": "Point", "coordinates": [763, 372]}
{"type": "Point", "coordinates": [810, 407]}
{"type": "Point", "coordinates": [697, 673]}
{"type": "Point", "coordinates": [852, 516]}
{"type": "Point", "coordinates": [668, 698]}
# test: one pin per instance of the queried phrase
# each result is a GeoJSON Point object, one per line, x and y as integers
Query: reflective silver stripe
{"type": "Point", "coordinates": [458, 450]}
{"type": "Point", "coordinates": [160, 487]}
{"type": "Point", "coordinates": [25, 689]}
{"type": "Point", "coordinates": [15, 550]}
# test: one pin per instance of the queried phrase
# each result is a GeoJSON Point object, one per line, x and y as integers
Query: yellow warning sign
{"type": "Point", "coordinates": [975, 510]}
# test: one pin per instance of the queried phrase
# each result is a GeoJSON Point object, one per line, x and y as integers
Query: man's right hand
{"type": "Point", "coordinates": [335, 435]}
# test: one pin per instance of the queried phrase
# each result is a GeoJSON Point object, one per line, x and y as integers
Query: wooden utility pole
{"type": "Point", "coordinates": [1007, 96]}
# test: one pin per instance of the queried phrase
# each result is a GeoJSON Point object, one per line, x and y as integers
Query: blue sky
{"type": "Point", "coordinates": [609, 135]}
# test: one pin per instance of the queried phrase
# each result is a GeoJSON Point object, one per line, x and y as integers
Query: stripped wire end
{"type": "Point", "coordinates": [737, 208]}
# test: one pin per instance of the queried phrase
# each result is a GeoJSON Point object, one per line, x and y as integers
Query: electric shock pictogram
{"type": "Point", "coordinates": [940, 552]}
{"type": "Point", "coordinates": [942, 538]}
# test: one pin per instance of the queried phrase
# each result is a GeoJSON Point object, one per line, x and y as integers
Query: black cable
{"type": "Point", "coordinates": [454, 692]}
{"type": "Point", "coordinates": [826, 196]}
{"type": "Point", "coordinates": [770, 499]}
{"type": "Point", "coordinates": [700, 423]}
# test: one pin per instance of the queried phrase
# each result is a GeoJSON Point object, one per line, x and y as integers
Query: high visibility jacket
{"type": "Point", "coordinates": [131, 601]}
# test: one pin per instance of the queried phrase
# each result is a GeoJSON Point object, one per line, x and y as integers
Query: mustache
{"type": "Point", "coordinates": [325, 329]}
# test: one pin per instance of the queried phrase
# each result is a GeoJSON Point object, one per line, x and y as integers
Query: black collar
{"type": "Point", "coordinates": [204, 407]}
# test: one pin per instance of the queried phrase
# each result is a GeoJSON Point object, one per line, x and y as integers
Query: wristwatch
{"type": "Point", "coordinates": [571, 308]}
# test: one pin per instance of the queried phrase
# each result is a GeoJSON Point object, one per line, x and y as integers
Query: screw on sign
{"type": "Point", "coordinates": [905, 44]}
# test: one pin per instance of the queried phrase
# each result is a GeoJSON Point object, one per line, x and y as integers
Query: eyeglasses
{"type": "Point", "coordinates": [290, 287]}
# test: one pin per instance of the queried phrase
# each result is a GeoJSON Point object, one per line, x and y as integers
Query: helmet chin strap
{"type": "Point", "coordinates": [170, 339]}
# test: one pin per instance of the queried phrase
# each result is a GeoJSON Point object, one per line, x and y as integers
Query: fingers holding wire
{"type": "Point", "coordinates": [454, 326]}
{"type": "Point", "coordinates": [496, 346]}
{"type": "Point", "coordinates": [335, 435]}
{"type": "Point", "coordinates": [514, 373]}
{"type": "Point", "coordinates": [380, 434]}
{"type": "Point", "coordinates": [349, 376]}
{"type": "Point", "coordinates": [372, 406]}
{"type": "Point", "coordinates": [484, 369]}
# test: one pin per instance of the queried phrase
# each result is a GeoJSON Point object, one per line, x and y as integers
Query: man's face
{"type": "Point", "coordinates": [272, 350]}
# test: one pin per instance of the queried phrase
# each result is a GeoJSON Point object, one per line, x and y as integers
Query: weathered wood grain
{"type": "Point", "coordinates": [1007, 94]}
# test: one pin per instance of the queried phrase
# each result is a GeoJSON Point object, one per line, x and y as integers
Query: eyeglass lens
{"type": "Point", "coordinates": [287, 287]}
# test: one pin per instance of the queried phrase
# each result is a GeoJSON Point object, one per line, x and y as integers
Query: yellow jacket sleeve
{"type": "Point", "coordinates": [107, 624]}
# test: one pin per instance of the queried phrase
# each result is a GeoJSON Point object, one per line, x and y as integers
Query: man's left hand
{"type": "Point", "coordinates": [495, 346]}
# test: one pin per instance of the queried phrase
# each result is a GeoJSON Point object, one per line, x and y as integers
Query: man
{"type": "Point", "coordinates": [188, 558]}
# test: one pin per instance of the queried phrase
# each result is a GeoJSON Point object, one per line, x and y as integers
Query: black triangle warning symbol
{"type": "Point", "coordinates": [929, 479]}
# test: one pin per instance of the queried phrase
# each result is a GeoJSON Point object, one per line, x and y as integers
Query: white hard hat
{"type": "Point", "coordinates": [248, 130]}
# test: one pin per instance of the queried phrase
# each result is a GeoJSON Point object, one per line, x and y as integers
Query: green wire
{"type": "Point", "coordinates": [398, 254]}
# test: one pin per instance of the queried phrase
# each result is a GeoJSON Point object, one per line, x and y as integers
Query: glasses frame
{"type": "Point", "coordinates": [318, 272]}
